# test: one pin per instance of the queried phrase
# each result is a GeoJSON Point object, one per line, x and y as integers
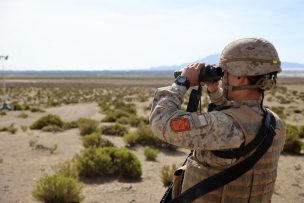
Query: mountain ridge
{"type": "Point", "coordinates": [214, 59]}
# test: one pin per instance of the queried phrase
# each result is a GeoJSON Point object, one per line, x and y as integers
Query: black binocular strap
{"type": "Point", "coordinates": [218, 180]}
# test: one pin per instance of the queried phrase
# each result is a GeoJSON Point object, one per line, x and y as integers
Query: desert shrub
{"type": "Point", "coordinates": [279, 110]}
{"type": "Point", "coordinates": [301, 134]}
{"type": "Point", "coordinates": [144, 136]}
{"type": "Point", "coordinates": [67, 168]}
{"type": "Point", "coordinates": [131, 138]}
{"type": "Point", "coordinates": [2, 113]}
{"type": "Point", "coordinates": [24, 128]}
{"type": "Point", "coordinates": [11, 128]}
{"type": "Point", "coordinates": [293, 144]}
{"type": "Point", "coordinates": [33, 142]}
{"type": "Point", "coordinates": [53, 148]}
{"type": "Point", "coordinates": [87, 126]}
{"type": "Point", "coordinates": [132, 120]}
{"type": "Point", "coordinates": [16, 106]}
{"type": "Point", "coordinates": [166, 174]}
{"type": "Point", "coordinates": [53, 103]}
{"type": "Point", "coordinates": [294, 92]}
{"type": "Point", "coordinates": [36, 109]}
{"type": "Point", "coordinates": [70, 125]}
{"type": "Point", "coordinates": [43, 147]}
{"type": "Point", "coordinates": [297, 111]}
{"type": "Point", "coordinates": [283, 100]}
{"type": "Point", "coordinates": [145, 120]}
{"type": "Point", "coordinates": [116, 129]}
{"type": "Point", "coordinates": [110, 117]}
{"type": "Point", "coordinates": [120, 111]}
{"type": "Point", "coordinates": [109, 161]}
{"type": "Point", "coordinates": [95, 140]}
{"type": "Point", "coordinates": [49, 119]}
{"type": "Point", "coordinates": [281, 89]}
{"type": "Point", "coordinates": [22, 115]}
{"type": "Point", "coordinates": [150, 153]}
{"type": "Point", "coordinates": [52, 128]}
{"type": "Point", "coordinates": [25, 107]}
{"type": "Point", "coordinates": [125, 107]}
{"type": "Point", "coordinates": [58, 188]}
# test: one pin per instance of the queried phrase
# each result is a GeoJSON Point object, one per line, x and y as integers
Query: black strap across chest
{"type": "Point", "coordinates": [266, 134]}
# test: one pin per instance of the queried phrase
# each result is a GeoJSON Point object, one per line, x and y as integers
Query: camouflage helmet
{"type": "Point", "coordinates": [250, 57]}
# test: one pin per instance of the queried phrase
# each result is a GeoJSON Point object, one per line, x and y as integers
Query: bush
{"type": "Point", "coordinates": [110, 117]}
{"type": "Point", "coordinates": [58, 188]}
{"type": "Point", "coordinates": [144, 136]}
{"type": "Point", "coordinates": [87, 126]}
{"type": "Point", "coordinates": [301, 134]}
{"type": "Point", "coordinates": [2, 113]}
{"type": "Point", "coordinates": [67, 168]}
{"type": "Point", "coordinates": [52, 128]}
{"type": "Point", "coordinates": [109, 161]}
{"type": "Point", "coordinates": [279, 110]}
{"type": "Point", "coordinates": [121, 112]}
{"type": "Point", "coordinates": [47, 120]}
{"type": "Point", "coordinates": [150, 153]}
{"type": "Point", "coordinates": [24, 128]}
{"type": "Point", "coordinates": [22, 115]}
{"type": "Point", "coordinates": [132, 120]}
{"type": "Point", "coordinates": [131, 138]}
{"type": "Point", "coordinates": [95, 140]}
{"type": "Point", "coordinates": [293, 144]}
{"type": "Point", "coordinates": [297, 111]}
{"type": "Point", "coordinates": [70, 125]}
{"type": "Point", "coordinates": [12, 129]}
{"type": "Point", "coordinates": [167, 173]}
{"type": "Point", "coordinates": [16, 106]}
{"type": "Point", "coordinates": [116, 129]}
{"type": "Point", "coordinates": [35, 109]}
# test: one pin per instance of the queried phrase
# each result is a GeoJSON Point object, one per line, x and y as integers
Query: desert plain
{"type": "Point", "coordinates": [22, 164]}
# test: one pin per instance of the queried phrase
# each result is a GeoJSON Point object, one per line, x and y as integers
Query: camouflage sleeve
{"type": "Point", "coordinates": [204, 131]}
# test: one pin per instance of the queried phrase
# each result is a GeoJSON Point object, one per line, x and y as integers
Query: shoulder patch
{"type": "Point", "coordinates": [180, 124]}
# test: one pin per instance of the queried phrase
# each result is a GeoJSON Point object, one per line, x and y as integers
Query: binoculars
{"type": "Point", "coordinates": [208, 73]}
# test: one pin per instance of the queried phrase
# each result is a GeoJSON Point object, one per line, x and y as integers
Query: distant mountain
{"type": "Point", "coordinates": [214, 59]}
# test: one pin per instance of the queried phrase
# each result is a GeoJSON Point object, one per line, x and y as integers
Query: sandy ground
{"type": "Point", "coordinates": [22, 166]}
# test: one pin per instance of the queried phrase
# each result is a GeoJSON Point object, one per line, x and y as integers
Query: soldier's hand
{"type": "Point", "coordinates": [192, 72]}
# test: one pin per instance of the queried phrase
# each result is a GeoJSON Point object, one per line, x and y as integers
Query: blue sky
{"type": "Point", "coordinates": [137, 34]}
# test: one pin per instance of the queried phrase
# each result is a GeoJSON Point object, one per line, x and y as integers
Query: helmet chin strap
{"type": "Point", "coordinates": [241, 87]}
{"type": "Point", "coordinates": [265, 83]}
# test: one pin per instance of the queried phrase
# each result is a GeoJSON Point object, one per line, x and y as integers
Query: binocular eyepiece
{"type": "Point", "coordinates": [208, 73]}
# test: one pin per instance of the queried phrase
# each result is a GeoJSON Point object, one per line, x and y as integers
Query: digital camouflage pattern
{"type": "Point", "coordinates": [215, 131]}
{"type": "Point", "coordinates": [208, 131]}
{"type": "Point", "coordinates": [249, 57]}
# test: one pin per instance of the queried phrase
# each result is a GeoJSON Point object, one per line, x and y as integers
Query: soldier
{"type": "Point", "coordinates": [250, 66]}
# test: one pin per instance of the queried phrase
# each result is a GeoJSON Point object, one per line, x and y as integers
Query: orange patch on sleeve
{"type": "Point", "coordinates": [180, 124]}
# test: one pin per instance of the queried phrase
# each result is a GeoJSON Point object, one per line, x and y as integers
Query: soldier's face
{"type": "Point", "coordinates": [233, 80]}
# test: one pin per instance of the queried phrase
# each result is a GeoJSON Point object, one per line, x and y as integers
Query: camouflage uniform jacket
{"type": "Point", "coordinates": [207, 131]}
{"type": "Point", "coordinates": [203, 132]}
